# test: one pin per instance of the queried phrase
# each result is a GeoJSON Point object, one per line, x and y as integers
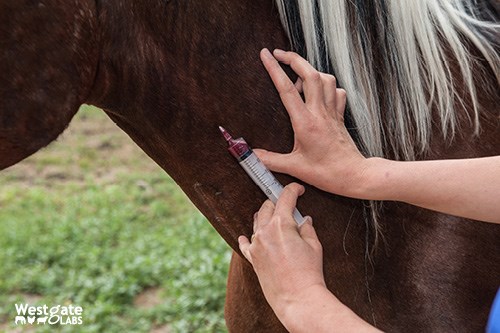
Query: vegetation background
{"type": "Point", "coordinates": [92, 221]}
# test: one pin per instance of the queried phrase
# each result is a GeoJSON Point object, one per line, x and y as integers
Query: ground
{"type": "Point", "coordinates": [92, 221]}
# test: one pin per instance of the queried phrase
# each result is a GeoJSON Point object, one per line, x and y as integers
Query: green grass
{"type": "Point", "coordinates": [91, 221]}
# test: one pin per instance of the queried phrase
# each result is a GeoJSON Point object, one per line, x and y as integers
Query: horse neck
{"type": "Point", "coordinates": [175, 72]}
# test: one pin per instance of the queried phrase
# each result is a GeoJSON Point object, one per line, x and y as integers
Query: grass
{"type": "Point", "coordinates": [91, 221]}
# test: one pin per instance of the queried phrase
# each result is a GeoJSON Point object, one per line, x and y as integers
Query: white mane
{"type": "Point", "coordinates": [416, 64]}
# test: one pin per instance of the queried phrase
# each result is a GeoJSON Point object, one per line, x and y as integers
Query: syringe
{"type": "Point", "coordinates": [254, 167]}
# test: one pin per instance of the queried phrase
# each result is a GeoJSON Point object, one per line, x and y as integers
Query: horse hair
{"type": "Point", "coordinates": [395, 58]}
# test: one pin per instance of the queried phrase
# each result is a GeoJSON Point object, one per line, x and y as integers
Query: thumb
{"type": "Point", "coordinates": [275, 161]}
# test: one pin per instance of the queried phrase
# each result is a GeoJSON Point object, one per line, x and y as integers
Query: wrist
{"type": "Point", "coordinates": [293, 311]}
{"type": "Point", "coordinates": [286, 305]}
{"type": "Point", "coordinates": [370, 182]}
{"type": "Point", "coordinates": [315, 309]}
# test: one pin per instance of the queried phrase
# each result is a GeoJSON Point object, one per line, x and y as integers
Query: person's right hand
{"type": "Point", "coordinates": [287, 259]}
{"type": "Point", "coordinates": [324, 154]}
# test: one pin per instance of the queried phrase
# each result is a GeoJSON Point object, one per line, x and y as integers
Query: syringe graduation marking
{"type": "Point", "coordinates": [260, 177]}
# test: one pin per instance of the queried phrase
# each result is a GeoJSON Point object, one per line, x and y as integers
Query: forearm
{"type": "Point", "coordinates": [320, 311]}
{"type": "Point", "coordinates": [469, 187]}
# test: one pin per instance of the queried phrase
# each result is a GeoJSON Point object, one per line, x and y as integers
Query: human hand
{"type": "Point", "coordinates": [287, 259]}
{"type": "Point", "coordinates": [324, 154]}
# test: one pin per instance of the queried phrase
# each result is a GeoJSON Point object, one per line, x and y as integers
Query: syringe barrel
{"type": "Point", "coordinates": [263, 177]}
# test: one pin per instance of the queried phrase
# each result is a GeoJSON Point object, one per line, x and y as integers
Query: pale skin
{"type": "Point", "coordinates": [288, 259]}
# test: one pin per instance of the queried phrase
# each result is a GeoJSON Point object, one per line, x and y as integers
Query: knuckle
{"type": "Point", "coordinates": [268, 204]}
{"type": "Point", "coordinates": [311, 126]}
{"type": "Point", "coordinates": [257, 235]}
{"type": "Point", "coordinates": [330, 80]}
{"type": "Point", "coordinates": [290, 188]}
{"type": "Point", "coordinates": [313, 76]}
{"type": "Point", "coordinates": [288, 88]}
{"type": "Point", "coordinates": [277, 220]}
{"type": "Point", "coordinates": [294, 56]}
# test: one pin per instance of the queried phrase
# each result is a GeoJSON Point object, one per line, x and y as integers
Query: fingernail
{"type": "Point", "coordinates": [278, 52]}
{"type": "Point", "coordinates": [308, 219]}
{"type": "Point", "coordinates": [301, 188]}
{"type": "Point", "coordinates": [255, 216]}
{"type": "Point", "coordinates": [267, 54]}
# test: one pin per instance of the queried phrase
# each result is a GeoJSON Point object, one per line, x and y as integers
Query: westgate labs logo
{"type": "Point", "coordinates": [54, 315]}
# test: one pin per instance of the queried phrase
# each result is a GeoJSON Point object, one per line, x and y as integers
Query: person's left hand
{"type": "Point", "coordinates": [324, 154]}
{"type": "Point", "coordinates": [288, 260]}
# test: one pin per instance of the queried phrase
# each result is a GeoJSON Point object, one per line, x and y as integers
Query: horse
{"type": "Point", "coordinates": [169, 73]}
